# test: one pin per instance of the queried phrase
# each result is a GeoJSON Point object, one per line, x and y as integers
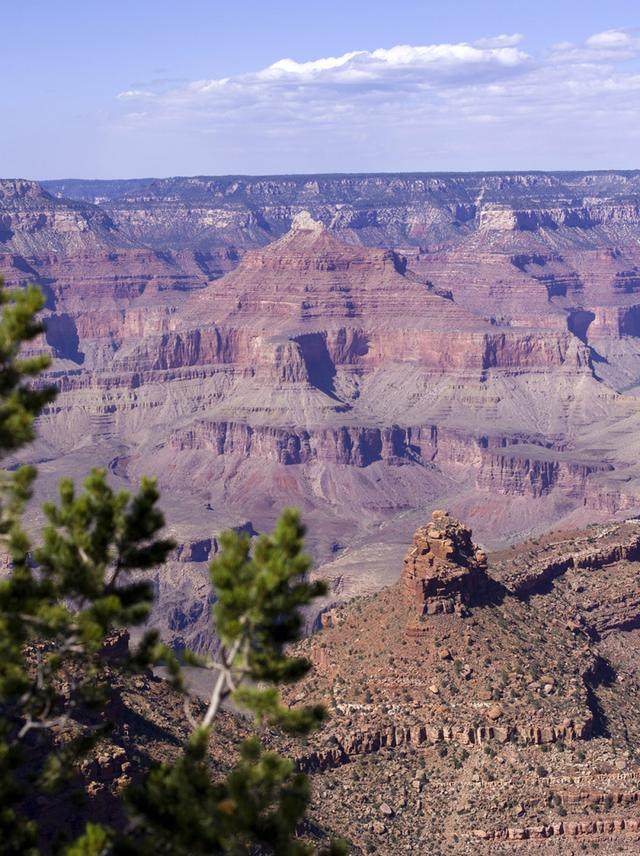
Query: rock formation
{"type": "Point", "coordinates": [443, 571]}
{"type": "Point", "coordinates": [497, 731]}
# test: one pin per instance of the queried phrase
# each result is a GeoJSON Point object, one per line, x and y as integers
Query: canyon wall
{"type": "Point", "coordinates": [364, 347]}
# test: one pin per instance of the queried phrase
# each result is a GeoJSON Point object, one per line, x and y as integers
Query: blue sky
{"type": "Point", "coordinates": [150, 87]}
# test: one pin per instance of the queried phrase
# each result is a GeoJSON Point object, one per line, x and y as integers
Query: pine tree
{"type": "Point", "coordinates": [87, 579]}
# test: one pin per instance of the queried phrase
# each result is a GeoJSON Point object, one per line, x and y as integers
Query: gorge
{"type": "Point", "coordinates": [366, 347]}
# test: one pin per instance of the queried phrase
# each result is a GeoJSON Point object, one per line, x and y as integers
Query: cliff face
{"type": "Point", "coordinates": [33, 222]}
{"type": "Point", "coordinates": [361, 346]}
{"type": "Point", "coordinates": [390, 210]}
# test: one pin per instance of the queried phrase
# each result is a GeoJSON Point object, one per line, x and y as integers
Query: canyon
{"type": "Point", "coordinates": [404, 358]}
{"type": "Point", "coordinates": [364, 347]}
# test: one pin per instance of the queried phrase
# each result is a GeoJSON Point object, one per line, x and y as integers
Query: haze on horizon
{"type": "Point", "coordinates": [158, 88]}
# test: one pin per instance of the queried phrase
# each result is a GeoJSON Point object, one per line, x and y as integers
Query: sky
{"type": "Point", "coordinates": [97, 89]}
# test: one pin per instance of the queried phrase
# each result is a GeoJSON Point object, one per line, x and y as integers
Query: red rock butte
{"type": "Point", "coordinates": [443, 571]}
{"type": "Point", "coordinates": [504, 719]}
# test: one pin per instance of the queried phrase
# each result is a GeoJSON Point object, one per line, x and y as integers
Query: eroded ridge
{"type": "Point", "coordinates": [472, 715]}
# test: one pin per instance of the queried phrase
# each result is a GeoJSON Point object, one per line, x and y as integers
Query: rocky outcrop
{"type": "Point", "coordinates": [347, 446]}
{"type": "Point", "coordinates": [497, 709]}
{"type": "Point", "coordinates": [352, 742]}
{"type": "Point", "coordinates": [201, 550]}
{"type": "Point", "coordinates": [594, 213]}
{"type": "Point", "coordinates": [443, 571]}
{"type": "Point", "coordinates": [592, 552]}
{"type": "Point", "coordinates": [618, 827]}
{"type": "Point", "coordinates": [33, 222]}
{"type": "Point", "coordinates": [519, 471]}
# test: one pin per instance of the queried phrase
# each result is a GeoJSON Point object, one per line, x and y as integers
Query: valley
{"type": "Point", "coordinates": [366, 348]}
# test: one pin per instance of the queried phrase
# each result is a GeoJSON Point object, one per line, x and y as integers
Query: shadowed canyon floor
{"type": "Point", "coordinates": [364, 347]}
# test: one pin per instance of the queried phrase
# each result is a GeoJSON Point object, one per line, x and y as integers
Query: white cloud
{"type": "Point", "coordinates": [607, 46]}
{"type": "Point", "coordinates": [611, 39]}
{"type": "Point", "coordinates": [490, 96]}
{"type": "Point", "coordinates": [135, 93]}
{"type": "Point", "coordinates": [431, 56]}
{"type": "Point", "coordinates": [504, 40]}
{"type": "Point", "coordinates": [305, 69]}
{"type": "Point", "coordinates": [419, 64]}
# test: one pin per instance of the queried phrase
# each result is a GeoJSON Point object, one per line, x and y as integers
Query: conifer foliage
{"type": "Point", "coordinates": [85, 579]}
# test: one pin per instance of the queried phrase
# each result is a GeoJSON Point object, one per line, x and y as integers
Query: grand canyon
{"type": "Point", "coordinates": [392, 354]}
{"type": "Point", "coordinates": [366, 348]}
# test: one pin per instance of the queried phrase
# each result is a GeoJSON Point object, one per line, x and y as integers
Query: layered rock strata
{"type": "Point", "coordinates": [366, 347]}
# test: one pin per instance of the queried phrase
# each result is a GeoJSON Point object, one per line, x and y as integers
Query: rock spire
{"type": "Point", "coordinates": [444, 571]}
